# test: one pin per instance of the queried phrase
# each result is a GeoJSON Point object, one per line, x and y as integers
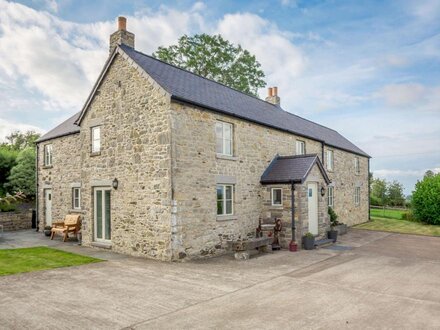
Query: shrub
{"type": "Point", "coordinates": [5, 207]}
{"type": "Point", "coordinates": [426, 200]}
{"type": "Point", "coordinates": [333, 217]}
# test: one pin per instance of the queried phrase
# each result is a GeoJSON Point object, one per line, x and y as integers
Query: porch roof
{"type": "Point", "coordinates": [292, 169]}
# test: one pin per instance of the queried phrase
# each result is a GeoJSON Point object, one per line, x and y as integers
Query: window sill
{"type": "Point", "coordinates": [77, 211]}
{"type": "Point", "coordinates": [96, 153]}
{"type": "Point", "coordinates": [226, 157]}
{"type": "Point", "coordinates": [276, 207]}
{"type": "Point", "coordinates": [102, 245]}
{"type": "Point", "coordinates": [47, 167]}
{"type": "Point", "coordinates": [226, 217]}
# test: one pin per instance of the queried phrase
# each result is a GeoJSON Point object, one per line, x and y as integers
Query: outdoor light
{"type": "Point", "coordinates": [322, 191]}
{"type": "Point", "coordinates": [115, 183]}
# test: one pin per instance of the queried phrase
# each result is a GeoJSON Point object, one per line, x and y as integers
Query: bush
{"type": "Point", "coordinates": [426, 200]}
{"type": "Point", "coordinates": [5, 207]}
{"type": "Point", "coordinates": [333, 217]}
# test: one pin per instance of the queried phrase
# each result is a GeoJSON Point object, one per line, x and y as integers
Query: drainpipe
{"type": "Point", "coordinates": [368, 180]}
{"type": "Point", "coordinates": [322, 153]}
{"type": "Point", "coordinates": [37, 185]}
{"type": "Point", "coordinates": [293, 246]}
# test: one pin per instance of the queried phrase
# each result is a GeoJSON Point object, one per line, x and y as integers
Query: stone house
{"type": "Point", "coordinates": [166, 164]}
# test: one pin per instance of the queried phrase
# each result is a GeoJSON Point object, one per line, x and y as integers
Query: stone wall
{"type": "Point", "coordinates": [12, 221]}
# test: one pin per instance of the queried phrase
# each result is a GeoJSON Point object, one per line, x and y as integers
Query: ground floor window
{"type": "Point", "coordinates": [225, 199]}
{"type": "Point", "coordinates": [76, 198]}
{"type": "Point", "coordinates": [277, 196]}
{"type": "Point", "coordinates": [357, 195]}
{"type": "Point", "coordinates": [330, 196]}
{"type": "Point", "coordinates": [102, 204]}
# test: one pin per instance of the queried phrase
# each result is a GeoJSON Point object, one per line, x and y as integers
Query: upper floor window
{"type": "Point", "coordinates": [357, 195]}
{"type": "Point", "coordinates": [330, 194]}
{"type": "Point", "coordinates": [223, 133]}
{"type": "Point", "coordinates": [225, 199]}
{"type": "Point", "coordinates": [277, 197]}
{"type": "Point", "coordinates": [300, 147]}
{"type": "Point", "coordinates": [76, 198]}
{"type": "Point", "coordinates": [330, 160]}
{"type": "Point", "coordinates": [48, 155]}
{"type": "Point", "coordinates": [96, 139]}
{"type": "Point", "coordinates": [357, 166]}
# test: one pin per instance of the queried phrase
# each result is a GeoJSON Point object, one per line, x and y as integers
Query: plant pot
{"type": "Point", "coordinates": [341, 229]}
{"type": "Point", "coordinates": [47, 232]}
{"type": "Point", "coordinates": [308, 242]}
{"type": "Point", "coordinates": [333, 235]}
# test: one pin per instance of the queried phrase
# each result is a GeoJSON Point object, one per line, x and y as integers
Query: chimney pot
{"type": "Point", "coordinates": [272, 96]}
{"type": "Point", "coordinates": [122, 23]}
{"type": "Point", "coordinates": [269, 92]}
{"type": "Point", "coordinates": [275, 91]}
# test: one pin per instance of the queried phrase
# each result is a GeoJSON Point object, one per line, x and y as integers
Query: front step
{"type": "Point", "coordinates": [323, 242]}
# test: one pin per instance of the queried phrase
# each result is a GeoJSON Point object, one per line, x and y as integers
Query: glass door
{"type": "Point", "coordinates": [102, 232]}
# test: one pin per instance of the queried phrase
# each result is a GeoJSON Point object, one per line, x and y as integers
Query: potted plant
{"type": "Point", "coordinates": [333, 233]}
{"type": "Point", "coordinates": [308, 241]}
{"type": "Point", "coordinates": [47, 230]}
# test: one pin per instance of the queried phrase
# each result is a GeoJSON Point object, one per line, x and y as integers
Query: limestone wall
{"type": "Point", "coordinates": [12, 221]}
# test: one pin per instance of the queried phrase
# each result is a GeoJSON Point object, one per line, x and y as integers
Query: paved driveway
{"type": "Point", "coordinates": [372, 280]}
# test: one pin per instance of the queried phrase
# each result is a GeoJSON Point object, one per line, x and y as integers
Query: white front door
{"type": "Point", "coordinates": [312, 195]}
{"type": "Point", "coordinates": [48, 206]}
{"type": "Point", "coordinates": [102, 232]}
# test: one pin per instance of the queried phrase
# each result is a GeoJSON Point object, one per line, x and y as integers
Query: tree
{"type": "Point", "coordinates": [215, 58]}
{"type": "Point", "coordinates": [395, 194]}
{"type": "Point", "coordinates": [22, 177]}
{"type": "Point", "coordinates": [20, 141]}
{"type": "Point", "coordinates": [429, 173]}
{"type": "Point", "coordinates": [426, 200]}
{"type": "Point", "coordinates": [7, 161]}
{"type": "Point", "coordinates": [378, 192]}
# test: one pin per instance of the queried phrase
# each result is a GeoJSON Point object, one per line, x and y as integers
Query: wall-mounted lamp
{"type": "Point", "coordinates": [322, 191]}
{"type": "Point", "coordinates": [115, 183]}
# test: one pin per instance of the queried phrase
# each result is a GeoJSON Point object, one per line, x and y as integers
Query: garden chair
{"type": "Point", "coordinates": [71, 224]}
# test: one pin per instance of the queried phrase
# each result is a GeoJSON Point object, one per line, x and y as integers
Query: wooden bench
{"type": "Point", "coordinates": [71, 224]}
{"type": "Point", "coordinates": [243, 247]}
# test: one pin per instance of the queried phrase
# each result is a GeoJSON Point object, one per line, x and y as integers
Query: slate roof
{"type": "Point", "coordinates": [291, 169]}
{"type": "Point", "coordinates": [65, 128]}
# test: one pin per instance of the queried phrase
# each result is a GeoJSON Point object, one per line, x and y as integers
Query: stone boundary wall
{"type": "Point", "coordinates": [12, 221]}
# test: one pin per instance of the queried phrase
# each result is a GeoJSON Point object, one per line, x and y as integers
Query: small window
{"type": "Point", "coordinates": [76, 198]}
{"type": "Point", "coordinates": [48, 155]}
{"type": "Point", "coordinates": [224, 138]}
{"type": "Point", "coordinates": [330, 160]}
{"type": "Point", "coordinates": [96, 139]}
{"type": "Point", "coordinates": [225, 199]}
{"type": "Point", "coordinates": [300, 147]}
{"type": "Point", "coordinates": [357, 195]}
{"type": "Point", "coordinates": [277, 196]}
{"type": "Point", "coordinates": [357, 167]}
{"type": "Point", "coordinates": [330, 196]}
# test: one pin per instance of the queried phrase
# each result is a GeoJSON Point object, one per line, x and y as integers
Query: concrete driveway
{"type": "Point", "coordinates": [369, 280]}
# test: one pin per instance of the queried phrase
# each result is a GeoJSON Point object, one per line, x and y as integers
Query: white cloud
{"type": "Point", "coordinates": [386, 173]}
{"type": "Point", "coordinates": [7, 127]}
{"type": "Point", "coordinates": [415, 96]}
{"type": "Point", "coordinates": [52, 5]}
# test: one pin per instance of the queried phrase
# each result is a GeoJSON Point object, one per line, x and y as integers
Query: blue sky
{"type": "Point", "coordinates": [369, 69]}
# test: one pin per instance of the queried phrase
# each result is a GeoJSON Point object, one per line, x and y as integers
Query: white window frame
{"type": "Point", "coordinates": [224, 200]}
{"type": "Point", "coordinates": [272, 195]}
{"type": "Point", "coordinates": [330, 160]}
{"type": "Point", "coordinates": [95, 138]}
{"type": "Point", "coordinates": [300, 147]}
{"type": "Point", "coordinates": [331, 196]}
{"type": "Point", "coordinates": [76, 200]}
{"type": "Point", "coordinates": [357, 165]}
{"type": "Point", "coordinates": [357, 196]}
{"type": "Point", "coordinates": [48, 152]}
{"type": "Point", "coordinates": [224, 140]}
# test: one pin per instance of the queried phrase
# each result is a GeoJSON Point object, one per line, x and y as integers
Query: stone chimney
{"type": "Point", "coordinates": [121, 36]}
{"type": "Point", "coordinates": [272, 96]}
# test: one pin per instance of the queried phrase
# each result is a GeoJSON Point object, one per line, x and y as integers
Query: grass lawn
{"type": "Point", "coordinates": [387, 213]}
{"type": "Point", "coordinates": [13, 261]}
{"type": "Point", "coordinates": [400, 226]}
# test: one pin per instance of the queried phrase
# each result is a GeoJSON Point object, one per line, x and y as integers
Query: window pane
{"type": "Point", "coordinates": [276, 196]}
{"type": "Point", "coordinates": [219, 130]}
{"type": "Point", "coordinates": [219, 192]}
{"type": "Point", "coordinates": [228, 207]}
{"type": "Point", "coordinates": [228, 147]}
{"type": "Point", "coordinates": [98, 214]}
{"type": "Point", "coordinates": [219, 146]}
{"type": "Point", "coordinates": [228, 192]}
{"type": "Point", "coordinates": [107, 215]}
{"type": "Point", "coordinates": [227, 131]}
{"type": "Point", "coordinates": [96, 146]}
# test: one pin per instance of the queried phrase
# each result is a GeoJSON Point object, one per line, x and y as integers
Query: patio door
{"type": "Point", "coordinates": [48, 206]}
{"type": "Point", "coordinates": [312, 196]}
{"type": "Point", "coordinates": [102, 232]}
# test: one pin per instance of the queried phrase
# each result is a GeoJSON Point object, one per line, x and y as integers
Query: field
{"type": "Point", "coordinates": [388, 213]}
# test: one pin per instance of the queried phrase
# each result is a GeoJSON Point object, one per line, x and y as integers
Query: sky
{"type": "Point", "coordinates": [368, 69]}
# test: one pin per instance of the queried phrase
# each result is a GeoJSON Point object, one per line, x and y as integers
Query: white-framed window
{"type": "Point", "coordinates": [48, 155]}
{"type": "Point", "coordinates": [277, 196]}
{"type": "Point", "coordinates": [357, 195]}
{"type": "Point", "coordinates": [96, 139]}
{"type": "Point", "coordinates": [330, 160]}
{"type": "Point", "coordinates": [224, 138]}
{"type": "Point", "coordinates": [357, 165]}
{"type": "Point", "coordinates": [225, 199]}
{"type": "Point", "coordinates": [330, 196]}
{"type": "Point", "coordinates": [300, 147]}
{"type": "Point", "coordinates": [76, 198]}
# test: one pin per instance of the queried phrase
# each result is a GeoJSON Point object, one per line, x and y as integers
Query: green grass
{"type": "Point", "coordinates": [400, 226]}
{"type": "Point", "coordinates": [388, 213]}
{"type": "Point", "coordinates": [13, 261]}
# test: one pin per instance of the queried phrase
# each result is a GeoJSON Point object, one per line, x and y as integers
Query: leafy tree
{"type": "Point", "coordinates": [22, 177]}
{"type": "Point", "coordinates": [7, 161]}
{"type": "Point", "coordinates": [426, 200]}
{"type": "Point", "coordinates": [378, 192]}
{"type": "Point", "coordinates": [395, 194]}
{"type": "Point", "coordinates": [215, 58]}
{"type": "Point", "coordinates": [429, 173]}
{"type": "Point", "coordinates": [20, 141]}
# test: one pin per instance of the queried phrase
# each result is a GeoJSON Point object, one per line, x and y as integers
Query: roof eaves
{"type": "Point", "coordinates": [56, 136]}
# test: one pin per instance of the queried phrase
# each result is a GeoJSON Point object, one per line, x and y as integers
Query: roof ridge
{"type": "Point", "coordinates": [298, 156]}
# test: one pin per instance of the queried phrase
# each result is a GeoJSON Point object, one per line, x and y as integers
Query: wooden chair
{"type": "Point", "coordinates": [71, 224]}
